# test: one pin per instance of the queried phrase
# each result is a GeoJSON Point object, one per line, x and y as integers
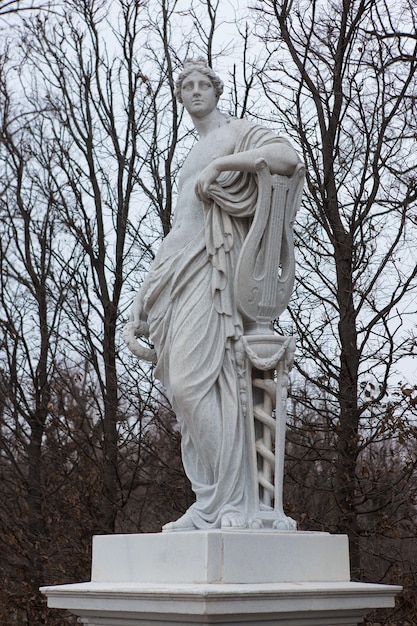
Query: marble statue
{"type": "Point", "coordinates": [220, 276]}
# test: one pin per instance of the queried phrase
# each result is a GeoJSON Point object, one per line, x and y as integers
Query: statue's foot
{"type": "Point", "coordinates": [234, 520]}
{"type": "Point", "coordinates": [182, 523]}
{"type": "Point", "coordinates": [256, 524]}
{"type": "Point", "coordinates": [284, 523]}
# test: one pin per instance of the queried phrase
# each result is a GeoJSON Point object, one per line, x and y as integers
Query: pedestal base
{"type": "Point", "coordinates": [219, 556]}
{"type": "Point", "coordinates": [284, 604]}
{"type": "Point", "coordinates": [223, 578]}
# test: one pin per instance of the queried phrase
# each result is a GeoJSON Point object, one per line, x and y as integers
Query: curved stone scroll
{"type": "Point", "coordinates": [265, 272]}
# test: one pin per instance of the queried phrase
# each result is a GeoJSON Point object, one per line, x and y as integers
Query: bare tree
{"type": "Point", "coordinates": [98, 109]}
{"type": "Point", "coordinates": [31, 299]}
{"type": "Point", "coordinates": [8, 7]}
{"type": "Point", "coordinates": [342, 77]}
{"type": "Point", "coordinates": [74, 140]}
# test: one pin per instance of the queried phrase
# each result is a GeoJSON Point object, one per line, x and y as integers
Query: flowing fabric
{"type": "Point", "coordinates": [197, 332]}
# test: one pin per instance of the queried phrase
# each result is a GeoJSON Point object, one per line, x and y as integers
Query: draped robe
{"type": "Point", "coordinates": [197, 330]}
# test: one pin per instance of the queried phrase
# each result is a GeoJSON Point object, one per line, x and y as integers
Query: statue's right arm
{"type": "Point", "coordinates": [280, 157]}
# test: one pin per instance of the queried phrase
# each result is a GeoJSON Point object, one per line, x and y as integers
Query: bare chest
{"type": "Point", "coordinates": [219, 143]}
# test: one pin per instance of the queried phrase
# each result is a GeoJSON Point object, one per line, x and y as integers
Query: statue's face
{"type": "Point", "coordinates": [198, 94]}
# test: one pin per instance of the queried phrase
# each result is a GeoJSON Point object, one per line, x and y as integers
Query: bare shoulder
{"type": "Point", "coordinates": [241, 128]}
{"type": "Point", "coordinates": [236, 125]}
{"type": "Point", "coordinates": [232, 132]}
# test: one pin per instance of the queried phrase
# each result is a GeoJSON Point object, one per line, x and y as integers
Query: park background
{"type": "Point", "coordinates": [91, 142]}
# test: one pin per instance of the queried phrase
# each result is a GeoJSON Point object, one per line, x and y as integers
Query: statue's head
{"type": "Point", "coordinates": [198, 65]}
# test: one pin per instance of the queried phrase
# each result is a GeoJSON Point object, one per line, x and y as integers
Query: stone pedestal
{"type": "Point", "coordinates": [221, 577]}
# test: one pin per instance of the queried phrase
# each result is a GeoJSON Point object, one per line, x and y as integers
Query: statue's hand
{"type": "Point", "coordinates": [206, 178]}
{"type": "Point", "coordinates": [133, 331]}
{"type": "Point", "coordinates": [137, 327]}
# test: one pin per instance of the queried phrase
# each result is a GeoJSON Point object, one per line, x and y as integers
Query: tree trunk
{"type": "Point", "coordinates": [347, 432]}
{"type": "Point", "coordinates": [111, 501]}
{"type": "Point", "coordinates": [36, 523]}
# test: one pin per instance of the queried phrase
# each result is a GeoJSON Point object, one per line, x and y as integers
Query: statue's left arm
{"type": "Point", "coordinates": [280, 157]}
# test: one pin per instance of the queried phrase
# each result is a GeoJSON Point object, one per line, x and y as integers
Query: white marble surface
{"type": "Point", "coordinates": [245, 578]}
{"type": "Point", "coordinates": [188, 303]}
{"type": "Point", "coordinates": [221, 556]}
{"type": "Point", "coordinates": [268, 604]}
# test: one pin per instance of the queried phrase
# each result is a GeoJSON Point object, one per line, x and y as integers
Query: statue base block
{"type": "Point", "coordinates": [221, 577]}
{"type": "Point", "coordinates": [221, 557]}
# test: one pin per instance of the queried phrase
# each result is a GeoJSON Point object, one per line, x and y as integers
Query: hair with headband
{"type": "Point", "coordinates": [198, 65]}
